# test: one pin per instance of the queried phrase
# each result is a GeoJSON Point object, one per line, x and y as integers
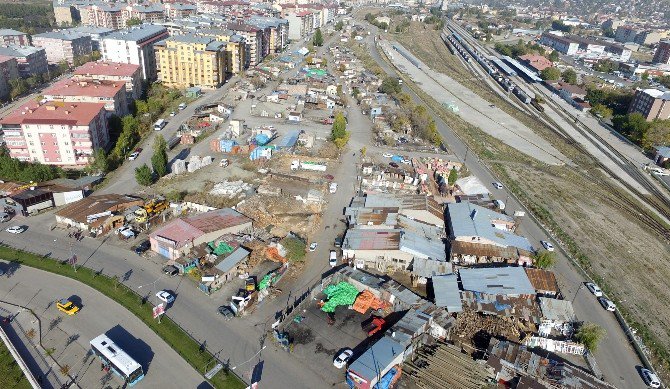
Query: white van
{"type": "Point", "coordinates": [182, 106]}
{"type": "Point", "coordinates": [332, 259]}
{"type": "Point", "coordinates": [333, 187]}
{"type": "Point", "coordinates": [295, 164]}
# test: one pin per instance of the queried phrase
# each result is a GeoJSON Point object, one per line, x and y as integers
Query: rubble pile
{"type": "Point", "coordinates": [231, 189]}
{"type": "Point", "coordinates": [471, 324]}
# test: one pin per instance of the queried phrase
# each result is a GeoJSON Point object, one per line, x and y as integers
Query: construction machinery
{"type": "Point", "coordinates": [151, 208]}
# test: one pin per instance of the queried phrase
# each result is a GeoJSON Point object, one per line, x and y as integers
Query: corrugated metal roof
{"type": "Point", "coordinates": [524, 308]}
{"type": "Point", "coordinates": [376, 360]}
{"type": "Point", "coordinates": [468, 220]}
{"type": "Point", "coordinates": [401, 293]}
{"type": "Point", "coordinates": [216, 220]}
{"type": "Point", "coordinates": [289, 140]}
{"type": "Point", "coordinates": [446, 292]}
{"type": "Point", "coordinates": [557, 310]}
{"type": "Point", "coordinates": [497, 280]}
{"type": "Point", "coordinates": [542, 280]}
{"type": "Point", "coordinates": [360, 239]}
{"type": "Point", "coordinates": [429, 267]}
{"type": "Point", "coordinates": [422, 247]}
{"type": "Point", "coordinates": [232, 260]}
{"type": "Point", "coordinates": [178, 231]}
{"type": "Point", "coordinates": [483, 250]}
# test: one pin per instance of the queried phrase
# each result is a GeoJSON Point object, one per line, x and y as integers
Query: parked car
{"type": "Point", "coordinates": [182, 106]}
{"type": "Point", "coordinates": [126, 232]}
{"type": "Point", "coordinates": [593, 288]}
{"type": "Point", "coordinates": [133, 156]}
{"type": "Point", "coordinates": [607, 304]}
{"type": "Point", "coordinates": [333, 187]}
{"type": "Point", "coordinates": [15, 229]}
{"type": "Point", "coordinates": [332, 259]}
{"type": "Point", "coordinates": [342, 359]}
{"type": "Point", "coordinates": [387, 155]}
{"type": "Point", "coordinates": [547, 245]}
{"type": "Point", "coordinates": [226, 312]}
{"type": "Point", "coordinates": [165, 296]}
{"type": "Point", "coordinates": [338, 241]}
{"type": "Point", "coordinates": [393, 164]}
{"type": "Point", "coordinates": [173, 113]}
{"type": "Point", "coordinates": [170, 270]}
{"type": "Point", "coordinates": [312, 247]}
{"type": "Point", "coordinates": [497, 185]}
{"type": "Point", "coordinates": [650, 378]}
{"type": "Point", "coordinates": [142, 247]}
{"type": "Point", "coordinates": [67, 306]}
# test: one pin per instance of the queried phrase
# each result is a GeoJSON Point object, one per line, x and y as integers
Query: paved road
{"type": "Point", "coordinates": [37, 290]}
{"type": "Point", "coordinates": [615, 356]}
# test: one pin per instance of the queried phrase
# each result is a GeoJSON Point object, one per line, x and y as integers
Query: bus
{"type": "Point", "coordinates": [160, 123]}
{"type": "Point", "coordinates": [115, 359]}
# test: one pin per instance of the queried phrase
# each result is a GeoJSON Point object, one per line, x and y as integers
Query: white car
{"type": "Point", "coordinates": [173, 113]}
{"type": "Point", "coordinates": [312, 247]}
{"type": "Point", "coordinates": [15, 229]}
{"type": "Point", "coordinates": [343, 358]}
{"type": "Point", "coordinates": [650, 378]}
{"type": "Point", "coordinates": [133, 156]}
{"type": "Point", "coordinates": [607, 304]}
{"type": "Point", "coordinates": [387, 155]}
{"type": "Point", "coordinates": [497, 185]}
{"type": "Point", "coordinates": [126, 232]}
{"type": "Point", "coordinates": [165, 296]}
{"type": "Point", "coordinates": [547, 245]}
{"type": "Point", "coordinates": [332, 259]}
{"type": "Point", "coordinates": [593, 288]}
{"type": "Point", "coordinates": [333, 187]}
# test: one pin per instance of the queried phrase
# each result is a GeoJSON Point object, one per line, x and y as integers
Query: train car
{"type": "Point", "coordinates": [521, 95]}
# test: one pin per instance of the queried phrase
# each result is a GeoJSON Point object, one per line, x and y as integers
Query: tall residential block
{"type": "Point", "coordinates": [129, 74]}
{"type": "Point", "coordinates": [134, 45]}
{"type": "Point", "coordinates": [189, 60]}
{"type": "Point", "coordinates": [63, 45]}
{"type": "Point", "coordinates": [651, 103]}
{"type": "Point", "coordinates": [662, 54]}
{"type": "Point", "coordinates": [9, 70]}
{"type": "Point", "coordinates": [13, 37]}
{"type": "Point", "coordinates": [31, 60]}
{"type": "Point", "coordinates": [56, 133]}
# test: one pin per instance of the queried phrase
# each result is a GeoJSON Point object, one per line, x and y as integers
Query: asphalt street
{"type": "Point", "coordinates": [615, 356]}
{"type": "Point", "coordinates": [38, 290]}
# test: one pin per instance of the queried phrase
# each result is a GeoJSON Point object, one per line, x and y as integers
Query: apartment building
{"type": "Point", "coordinates": [236, 52]}
{"type": "Point", "coordinates": [13, 37]}
{"type": "Point", "coordinates": [96, 34]}
{"type": "Point", "coordinates": [129, 74]}
{"type": "Point", "coordinates": [9, 70]}
{"type": "Point", "coordinates": [585, 47]}
{"type": "Point", "coordinates": [31, 60]}
{"type": "Point", "coordinates": [147, 13]}
{"type": "Point", "coordinates": [104, 15]}
{"type": "Point", "coordinates": [625, 34]}
{"type": "Point", "coordinates": [278, 28]}
{"type": "Point", "coordinates": [662, 54]}
{"type": "Point", "coordinates": [559, 43]}
{"type": "Point", "coordinates": [651, 103]}
{"type": "Point", "coordinates": [136, 46]}
{"type": "Point", "coordinates": [189, 60]}
{"type": "Point", "coordinates": [56, 133]}
{"type": "Point", "coordinates": [111, 93]}
{"type": "Point", "coordinates": [300, 24]}
{"type": "Point", "coordinates": [64, 14]}
{"type": "Point", "coordinates": [257, 46]}
{"type": "Point", "coordinates": [63, 45]}
{"type": "Point", "coordinates": [179, 10]}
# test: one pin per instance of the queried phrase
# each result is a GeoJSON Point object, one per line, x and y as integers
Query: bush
{"type": "Point", "coordinates": [14, 170]}
{"type": "Point", "coordinates": [295, 249]}
{"type": "Point", "coordinates": [590, 335]}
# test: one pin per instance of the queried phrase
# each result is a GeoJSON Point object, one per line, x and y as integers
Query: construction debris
{"type": "Point", "coordinates": [179, 166]}
{"type": "Point", "coordinates": [231, 189]}
{"type": "Point", "coordinates": [471, 324]}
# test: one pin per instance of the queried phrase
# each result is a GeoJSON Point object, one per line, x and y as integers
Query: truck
{"type": "Point", "coordinates": [373, 325]}
{"type": "Point", "coordinates": [149, 209]}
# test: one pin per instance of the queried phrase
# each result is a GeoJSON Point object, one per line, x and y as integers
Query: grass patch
{"type": "Point", "coordinates": [168, 330]}
{"type": "Point", "coordinates": [11, 375]}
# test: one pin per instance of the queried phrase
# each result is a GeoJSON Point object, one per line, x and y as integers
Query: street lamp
{"type": "Point", "coordinates": [153, 285]}
{"type": "Point", "coordinates": [249, 360]}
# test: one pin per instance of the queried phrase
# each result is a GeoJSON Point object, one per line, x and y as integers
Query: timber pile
{"type": "Point", "coordinates": [445, 366]}
{"type": "Point", "coordinates": [470, 323]}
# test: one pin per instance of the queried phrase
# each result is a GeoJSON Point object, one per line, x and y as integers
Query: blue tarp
{"type": "Point", "coordinates": [289, 140]}
{"type": "Point", "coordinates": [227, 145]}
{"type": "Point", "coordinates": [387, 379]}
{"type": "Point", "coordinates": [262, 139]}
{"type": "Point", "coordinates": [396, 158]}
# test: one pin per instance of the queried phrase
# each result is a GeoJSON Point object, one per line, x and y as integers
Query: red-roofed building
{"type": "Point", "coordinates": [128, 73]}
{"type": "Point", "coordinates": [56, 133]}
{"type": "Point", "coordinates": [111, 93]}
{"type": "Point", "coordinates": [536, 62]}
{"type": "Point", "coordinates": [179, 236]}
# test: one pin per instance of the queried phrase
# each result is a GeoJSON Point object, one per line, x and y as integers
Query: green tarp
{"type": "Point", "coordinates": [222, 248]}
{"type": "Point", "coordinates": [341, 294]}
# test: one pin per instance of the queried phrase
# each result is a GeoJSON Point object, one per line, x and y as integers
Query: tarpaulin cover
{"type": "Point", "coordinates": [222, 248]}
{"type": "Point", "coordinates": [341, 294]}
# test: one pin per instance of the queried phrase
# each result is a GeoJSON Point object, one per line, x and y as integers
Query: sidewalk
{"type": "Point", "coordinates": [24, 333]}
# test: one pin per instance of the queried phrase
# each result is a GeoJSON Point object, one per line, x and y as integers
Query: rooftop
{"type": "Point", "coordinates": [522, 308]}
{"type": "Point", "coordinates": [216, 220]}
{"type": "Point", "coordinates": [427, 268]}
{"type": "Point", "coordinates": [91, 205]}
{"type": "Point", "coordinates": [377, 358]}
{"type": "Point", "coordinates": [382, 239]}
{"type": "Point", "coordinates": [90, 30]}
{"type": "Point", "coordinates": [104, 68]}
{"type": "Point", "coordinates": [9, 32]}
{"type": "Point", "coordinates": [446, 291]}
{"type": "Point", "coordinates": [557, 310]}
{"type": "Point", "coordinates": [55, 112]}
{"type": "Point", "coordinates": [422, 246]}
{"type": "Point", "coordinates": [232, 260]}
{"type": "Point", "coordinates": [69, 87]}
{"type": "Point", "coordinates": [655, 93]}
{"type": "Point", "coordinates": [542, 280]}
{"type": "Point", "coordinates": [5, 58]}
{"type": "Point", "coordinates": [508, 280]}
{"type": "Point", "coordinates": [20, 51]}
{"type": "Point", "coordinates": [138, 33]}
{"type": "Point", "coordinates": [66, 35]}
{"type": "Point", "coordinates": [469, 220]}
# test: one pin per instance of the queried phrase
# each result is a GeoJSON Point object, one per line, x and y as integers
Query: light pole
{"type": "Point", "coordinates": [153, 286]}
{"type": "Point", "coordinates": [249, 360]}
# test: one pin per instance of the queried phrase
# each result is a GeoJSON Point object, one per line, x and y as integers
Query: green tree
{"type": "Point", "coordinates": [553, 56]}
{"type": "Point", "coordinates": [159, 160]}
{"type": "Point", "coordinates": [634, 126]}
{"type": "Point", "coordinates": [100, 162]}
{"type": "Point", "coordinates": [608, 32]}
{"type": "Point", "coordinates": [390, 86]}
{"type": "Point", "coordinates": [595, 96]}
{"type": "Point", "coordinates": [453, 176]}
{"type": "Point", "coordinates": [133, 22]}
{"type": "Point", "coordinates": [339, 129]}
{"type": "Point", "coordinates": [550, 73]}
{"type": "Point", "coordinates": [664, 80]}
{"type": "Point", "coordinates": [601, 111]}
{"type": "Point", "coordinates": [17, 87]}
{"type": "Point", "coordinates": [339, 25]}
{"type": "Point", "coordinates": [569, 76]}
{"type": "Point", "coordinates": [143, 175]}
{"type": "Point", "coordinates": [590, 335]}
{"type": "Point", "coordinates": [544, 259]}
{"type": "Point", "coordinates": [318, 38]}
{"type": "Point", "coordinates": [63, 67]}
